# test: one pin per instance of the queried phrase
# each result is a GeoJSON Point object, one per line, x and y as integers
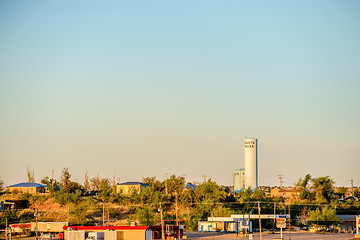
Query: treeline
{"type": "Point", "coordinates": [97, 200]}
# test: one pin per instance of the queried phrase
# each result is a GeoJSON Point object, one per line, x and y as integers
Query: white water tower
{"type": "Point", "coordinates": [251, 163]}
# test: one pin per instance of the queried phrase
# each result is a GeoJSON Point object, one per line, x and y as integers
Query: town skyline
{"type": "Point", "coordinates": [30, 173]}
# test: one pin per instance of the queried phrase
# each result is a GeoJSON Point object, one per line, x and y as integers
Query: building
{"type": "Point", "coordinates": [19, 227]}
{"type": "Point", "coordinates": [31, 188]}
{"type": "Point", "coordinates": [239, 180]}
{"type": "Point", "coordinates": [251, 163]}
{"type": "Point", "coordinates": [347, 223]}
{"type": "Point", "coordinates": [48, 227]}
{"type": "Point", "coordinates": [224, 224]}
{"type": "Point", "coordinates": [235, 223]}
{"type": "Point", "coordinates": [121, 232]}
{"type": "Point", "coordinates": [265, 189]}
{"type": "Point", "coordinates": [287, 193]}
{"type": "Point", "coordinates": [190, 186]}
{"type": "Point", "coordinates": [128, 187]}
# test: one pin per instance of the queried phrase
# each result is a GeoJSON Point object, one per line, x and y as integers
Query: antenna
{"type": "Point", "coordinates": [280, 178]}
{"type": "Point", "coordinates": [204, 176]}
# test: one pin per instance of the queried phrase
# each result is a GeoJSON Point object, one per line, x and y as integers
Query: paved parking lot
{"type": "Point", "coordinates": [265, 236]}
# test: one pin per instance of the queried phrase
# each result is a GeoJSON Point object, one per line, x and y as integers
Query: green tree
{"type": "Point", "coordinates": [65, 181]}
{"type": "Point", "coordinates": [186, 198]}
{"type": "Point", "coordinates": [146, 216]}
{"type": "Point", "coordinates": [106, 193]}
{"type": "Point", "coordinates": [116, 198]}
{"type": "Point", "coordinates": [245, 195]}
{"type": "Point", "coordinates": [324, 188]}
{"type": "Point", "coordinates": [221, 211]}
{"type": "Point", "coordinates": [357, 192]}
{"type": "Point", "coordinates": [209, 191]}
{"type": "Point", "coordinates": [87, 185]}
{"type": "Point", "coordinates": [154, 184]}
{"type": "Point", "coordinates": [322, 218]}
{"type": "Point", "coordinates": [258, 195]}
{"type": "Point", "coordinates": [74, 186]}
{"type": "Point", "coordinates": [64, 197]}
{"type": "Point", "coordinates": [79, 214]}
{"type": "Point", "coordinates": [341, 191]}
{"type": "Point", "coordinates": [147, 196]}
{"type": "Point", "coordinates": [52, 185]}
{"type": "Point", "coordinates": [206, 197]}
{"type": "Point", "coordinates": [100, 184]}
{"type": "Point", "coordinates": [10, 215]}
{"type": "Point", "coordinates": [302, 184]}
{"type": "Point", "coordinates": [175, 184]}
{"type": "Point", "coordinates": [2, 188]}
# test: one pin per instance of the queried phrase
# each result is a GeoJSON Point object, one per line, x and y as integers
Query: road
{"type": "Point", "coordinates": [223, 236]}
{"type": "Point", "coordinates": [265, 236]}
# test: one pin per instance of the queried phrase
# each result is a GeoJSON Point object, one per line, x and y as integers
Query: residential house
{"type": "Point", "coordinates": [31, 188]}
{"type": "Point", "coordinates": [128, 187]}
{"type": "Point", "coordinates": [286, 193]}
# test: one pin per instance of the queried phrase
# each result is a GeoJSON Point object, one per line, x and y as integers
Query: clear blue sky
{"type": "Point", "coordinates": [144, 88]}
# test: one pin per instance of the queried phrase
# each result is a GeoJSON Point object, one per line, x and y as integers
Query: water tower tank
{"type": "Point", "coordinates": [251, 162]}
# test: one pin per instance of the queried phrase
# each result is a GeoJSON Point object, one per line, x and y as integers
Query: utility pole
{"type": "Point", "coordinates": [352, 187]}
{"type": "Point", "coordinates": [52, 177]}
{"type": "Point", "coordinates": [274, 216]}
{"type": "Point", "coordinates": [204, 176]}
{"type": "Point", "coordinates": [237, 227]}
{"type": "Point", "coordinates": [289, 222]}
{"type": "Point", "coordinates": [176, 211]}
{"type": "Point", "coordinates": [249, 222]}
{"type": "Point", "coordinates": [176, 205]}
{"type": "Point", "coordinates": [36, 223]}
{"type": "Point", "coordinates": [243, 222]}
{"type": "Point", "coordinates": [68, 214]}
{"type": "Point", "coordinates": [259, 219]}
{"type": "Point", "coordinates": [6, 229]}
{"type": "Point", "coordinates": [289, 216]}
{"type": "Point", "coordinates": [166, 188]}
{"type": "Point", "coordinates": [162, 223]}
{"type": "Point", "coordinates": [103, 214]}
{"type": "Point", "coordinates": [280, 178]}
{"type": "Point", "coordinates": [114, 181]}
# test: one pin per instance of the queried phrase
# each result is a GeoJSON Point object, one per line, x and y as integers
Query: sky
{"type": "Point", "coordinates": [136, 89]}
